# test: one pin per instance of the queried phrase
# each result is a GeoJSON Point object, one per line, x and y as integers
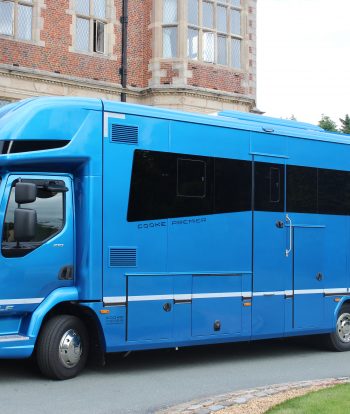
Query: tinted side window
{"type": "Point", "coordinates": [191, 178]}
{"type": "Point", "coordinates": [165, 185]}
{"type": "Point", "coordinates": [301, 189]}
{"type": "Point", "coordinates": [233, 185]}
{"type": "Point", "coordinates": [333, 192]}
{"type": "Point", "coordinates": [50, 221]}
{"type": "Point", "coordinates": [168, 185]}
{"type": "Point", "coordinates": [194, 192]}
{"type": "Point", "coordinates": [269, 187]}
{"type": "Point", "coordinates": [13, 147]}
{"type": "Point", "coordinates": [153, 186]}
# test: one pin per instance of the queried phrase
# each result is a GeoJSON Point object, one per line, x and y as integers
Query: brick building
{"type": "Point", "coordinates": [196, 55]}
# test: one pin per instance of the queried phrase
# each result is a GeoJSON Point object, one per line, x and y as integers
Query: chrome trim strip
{"type": "Point", "coordinates": [24, 301]}
{"type": "Point", "coordinates": [233, 273]}
{"type": "Point", "coordinates": [273, 293]}
{"type": "Point", "coordinates": [308, 291]}
{"type": "Point", "coordinates": [150, 297]}
{"type": "Point", "coordinates": [109, 300]}
{"type": "Point", "coordinates": [340, 290]}
{"type": "Point", "coordinates": [217, 295]}
{"type": "Point", "coordinates": [183, 296]}
{"type": "Point", "coordinates": [121, 300]}
{"type": "Point", "coordinates": [12, 338]}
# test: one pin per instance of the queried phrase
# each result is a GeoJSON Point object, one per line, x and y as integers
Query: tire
{"type": "Point", "coordinates": [339, 340]}
{"type": "Point", "coordinates": [62, 347]}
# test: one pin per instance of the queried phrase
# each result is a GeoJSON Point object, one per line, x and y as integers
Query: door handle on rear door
{"type": "Point", "coordinates": [290, 236]}
{"type": "Point", "coordinates": [319, 276]}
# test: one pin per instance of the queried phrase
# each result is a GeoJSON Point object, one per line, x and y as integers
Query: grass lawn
{"type": "Point", "coordinates": [335, 400]}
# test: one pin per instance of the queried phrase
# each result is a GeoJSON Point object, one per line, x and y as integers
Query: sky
{"type": "Point", "coordinates": [303, 58]}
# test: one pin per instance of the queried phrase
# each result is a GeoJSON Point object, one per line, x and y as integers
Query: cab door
{"type": "Point", "coordinates": [31, 270]}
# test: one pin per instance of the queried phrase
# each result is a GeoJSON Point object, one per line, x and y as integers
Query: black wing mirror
{"type": "Point", "coordinates": [25, 224]}
{"type": "Point", "coordinates": [25, 193]}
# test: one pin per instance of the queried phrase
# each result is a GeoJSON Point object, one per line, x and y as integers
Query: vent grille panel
{"type": "Point", "coordinates": [125, 134]}
{"type": "Point", "coordinates": [122, 257]}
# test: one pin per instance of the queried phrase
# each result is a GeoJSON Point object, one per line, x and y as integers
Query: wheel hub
{"type": "Point", "coordinates": [70, 348]}
{"type": "Point", "coordinates": [343, 327]}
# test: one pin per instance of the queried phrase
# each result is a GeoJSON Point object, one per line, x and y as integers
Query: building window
{"type": "Point", "coordinates": [16, 19]}
{"type": "Point", "coordinates": [91, 21]}
{"type": "Point", "coordinates": [192, 44]}
{"type": "Point", "coordinates": [214, 31]}
{"type": "Point", "coordinates": [169, 31]}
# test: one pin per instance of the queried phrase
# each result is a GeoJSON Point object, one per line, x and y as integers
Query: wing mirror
{"type": "Point", "coordinates": [25, 193]}
{"type": "Point", "coordinates": [25, 219]}
{"type": "Point", "coordinates": [25, 224]}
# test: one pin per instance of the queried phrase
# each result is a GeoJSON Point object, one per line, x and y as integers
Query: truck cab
{"type": "Point", "coordinates": [50, 150]}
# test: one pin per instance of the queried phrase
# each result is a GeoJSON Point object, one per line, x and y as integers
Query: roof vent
{"type": "Point", "coordinates": [125, 134]}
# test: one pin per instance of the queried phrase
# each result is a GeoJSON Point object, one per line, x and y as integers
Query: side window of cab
{"type": "Point", "coordinates": [49, 206]}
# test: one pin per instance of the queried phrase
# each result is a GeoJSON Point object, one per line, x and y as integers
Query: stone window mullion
{"type": "Point", "coordinates": [200, 31]}
{"type": "Point", "coordinates": [15, 19]}
{"type": "Point", "coordinates": [181, 32]}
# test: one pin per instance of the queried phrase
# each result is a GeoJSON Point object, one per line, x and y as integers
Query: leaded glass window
{"type": "Point", "coordinates": [208, 14]}
{"type": "Point", "coordinates": [169, 42]}
{"type": "Point", "coordinates": [214, 32]}
{"type": "Point", "coordinates": [91, 21]}
{"type": "Point", "coordinates": [222, 50]}
{"type": "Point", "coordinates": [192, 43]}
{"type": "Point", "coordinates": [16, 19]}
{"type": "Point", "coordinates": [236, 53]}
{"type": "Point", "coordinates": [235, 22]}
{"type": "Point", "coordinates": [193, 15]}
{"type": "Point", "coordinates": [169, 11]}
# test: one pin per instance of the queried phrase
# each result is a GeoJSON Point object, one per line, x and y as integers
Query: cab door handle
{"type": "Point", "coordinates": [66, 273]}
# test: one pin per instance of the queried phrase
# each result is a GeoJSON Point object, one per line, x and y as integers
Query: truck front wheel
{"type": "Point", "coordinates": [62, 347]}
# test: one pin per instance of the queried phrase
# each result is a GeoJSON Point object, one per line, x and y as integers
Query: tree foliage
{"type": "Point", "coordinates": [345, 124]}
{"type": "Point", "coordinates": [327, 123]}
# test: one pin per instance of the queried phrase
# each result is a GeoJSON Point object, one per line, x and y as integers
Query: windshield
{"type": "Point", "coordinates": [13, 106]}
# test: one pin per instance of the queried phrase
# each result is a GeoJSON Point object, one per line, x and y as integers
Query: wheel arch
{"type": "Point", "coordinates": [343, 302]}
{"type": "Point", "coordinates": [88, 317]}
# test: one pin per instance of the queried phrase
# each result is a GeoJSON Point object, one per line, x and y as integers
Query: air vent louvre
{"type": "Point", "coordinates": [122, 257]}
{"type": "Point", "coordinates": [125, 134]}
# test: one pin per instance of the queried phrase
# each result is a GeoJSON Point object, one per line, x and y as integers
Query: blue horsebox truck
{"type": "Point", "coordinates": [128, 227]}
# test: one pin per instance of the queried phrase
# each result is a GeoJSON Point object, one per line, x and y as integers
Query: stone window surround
{"type": "Point", "coordinates": [37, 23]}
{"type": "Point", "coordinates": [183, 25]}
{"type": "Point", "coordinates": [110, 37]}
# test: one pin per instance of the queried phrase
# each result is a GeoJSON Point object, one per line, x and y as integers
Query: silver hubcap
{"type": "Point", "coordinates": [70, 348]}
{"type": "Point", "coordinates": [343, 327]}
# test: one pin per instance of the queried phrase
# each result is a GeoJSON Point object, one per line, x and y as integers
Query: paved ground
{"type": "Point", "coordinates": [145, 382]}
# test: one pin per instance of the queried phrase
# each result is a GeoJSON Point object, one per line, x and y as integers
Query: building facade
{"type": "Point", "coordinates": [195, 55]}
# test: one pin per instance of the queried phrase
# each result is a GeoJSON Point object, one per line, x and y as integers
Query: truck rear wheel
{"type": "Point", "coordinates": [339, 340]}
{"type": "Point", "coordinates": [62, 347]}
